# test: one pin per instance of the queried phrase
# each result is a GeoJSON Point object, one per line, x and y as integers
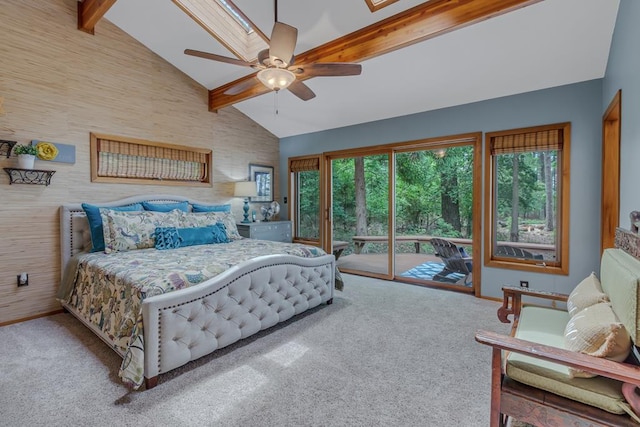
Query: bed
{"type": "Point", "coordinates": [160, 309]}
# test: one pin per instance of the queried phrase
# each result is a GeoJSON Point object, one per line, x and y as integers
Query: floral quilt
{"type": "Point", "coordinates": [109, 288]}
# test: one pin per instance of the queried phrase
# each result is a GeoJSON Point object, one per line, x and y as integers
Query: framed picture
{"type": "Point", "coordinates": [263, 177]}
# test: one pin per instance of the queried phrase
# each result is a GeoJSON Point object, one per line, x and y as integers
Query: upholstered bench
{"type": "Point", "coordinates": [540, 380]}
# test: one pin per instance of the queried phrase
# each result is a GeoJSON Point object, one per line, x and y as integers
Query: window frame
{"type": "Point", "coordinates": [294, 195]}
{"type": "Point", "coordinates": [561, 265]}
{"type": "Point", "coordinates": [222, 22]}
{"type": "Point", "coordinates": [375, 5]}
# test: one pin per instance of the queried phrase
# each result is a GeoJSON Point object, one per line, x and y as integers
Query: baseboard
{"type": "Point", "coordinates": [37, 316]}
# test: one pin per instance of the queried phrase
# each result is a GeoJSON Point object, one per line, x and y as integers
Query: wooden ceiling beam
{"type": "Point", "coordinates": [90, 12]}
{"type": "Point", "coordinates": [422, 22]}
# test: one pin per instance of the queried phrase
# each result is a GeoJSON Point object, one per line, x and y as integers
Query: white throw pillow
{"type": "Point", "coordinates": [597, 331]}
{"type": "Point", "coordinates": [587, 293]}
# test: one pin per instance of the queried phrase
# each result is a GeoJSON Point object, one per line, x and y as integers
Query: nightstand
{"type": "Point", "coordinates": [278, 231]}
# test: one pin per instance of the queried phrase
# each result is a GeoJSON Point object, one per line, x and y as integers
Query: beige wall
{"type": "Point", "coordinates": [59, 84]}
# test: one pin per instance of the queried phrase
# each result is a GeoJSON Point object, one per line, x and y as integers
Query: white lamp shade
{"type": "Point", "coordinates": [245, 189]}
{"type": "Point", "coordinates": [276, 78]}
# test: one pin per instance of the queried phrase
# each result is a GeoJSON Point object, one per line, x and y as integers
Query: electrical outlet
{"type": "Point", "coordinates": [524, 284]}
{"type": "Point", "coordinates": [23, 279]}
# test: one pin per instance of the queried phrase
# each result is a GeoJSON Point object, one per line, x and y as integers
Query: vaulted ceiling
{"type": "Point", "coordinates": [543, 44]}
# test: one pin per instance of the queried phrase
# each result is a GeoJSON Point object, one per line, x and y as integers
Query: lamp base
{"type": "Point", "coordinates": [245, 208]}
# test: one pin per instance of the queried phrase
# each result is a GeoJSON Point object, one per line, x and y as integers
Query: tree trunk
{"type": "Point", "coordinates": [543, 179]}
{"type": "Point", "coordinates": [450, 204]}
{"type": "Point", "coordinates": [515, 202]}
{"type": "Point", "coordinates": [361, 198]}
{"type": "Point", "coordinates": [548, 187]}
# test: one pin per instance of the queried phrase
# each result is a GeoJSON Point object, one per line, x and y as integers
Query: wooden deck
{"type": "Point", "coordinates": [377, 263]}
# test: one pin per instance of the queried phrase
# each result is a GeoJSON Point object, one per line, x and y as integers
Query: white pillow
{"type": "Point", "coordinates": [596, 331]}
{"type": "Point", "coordinates": [587, 293]}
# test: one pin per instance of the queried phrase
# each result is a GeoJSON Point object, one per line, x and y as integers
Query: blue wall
{"type": "Point", "coordinates": [623, 72]}
{"type": "Point", "coordinates": [580, 104]}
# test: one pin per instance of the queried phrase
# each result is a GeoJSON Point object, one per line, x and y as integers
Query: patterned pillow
{"type": "Point", "coordinates": [125, 231]}
{"type": "Point", "coordinates": [96, 226]}
{"type": "Point", "coordinates": [206, 219]}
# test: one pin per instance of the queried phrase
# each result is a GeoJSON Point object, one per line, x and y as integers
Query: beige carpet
{"type": "Point", "coordinates": [384, 354]}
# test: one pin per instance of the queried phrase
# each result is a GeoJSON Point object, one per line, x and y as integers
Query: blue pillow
{"type": "Point", "coordinates": [95, 222]}
{"type": "Point", "coordinates": [167, 238]}
{"type": "Point", "coordinates": [211, 208]}
{"type": "Point", "coordinates": [220, 233]}
{"type": "Point", "coordinates": [166, 207]}
{"type": "Point", "coordinates": [172, 237]}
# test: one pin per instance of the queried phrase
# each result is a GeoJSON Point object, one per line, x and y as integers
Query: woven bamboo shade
{"type": "Point", "coordinates": [532, 141]}
{"type": "Point", "coordinates": [127, 159]}
{"type": "Point", "coordinates": [302, 165]}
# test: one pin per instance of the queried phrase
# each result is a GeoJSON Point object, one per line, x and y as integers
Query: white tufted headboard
{"type": "Point", "coordinates": [75, 235]}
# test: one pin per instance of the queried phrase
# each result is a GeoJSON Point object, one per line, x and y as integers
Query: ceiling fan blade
{"type": "Point", "coordinates": [219, 58]}
{"type": "Point", "coordinates": [326, 69]}
{"type": "Point", "coordinates": [242, 86]}
{"type": "Point", "coordinates": [301, 90]}
{"type": "Point", "coordinates": [283, 43]}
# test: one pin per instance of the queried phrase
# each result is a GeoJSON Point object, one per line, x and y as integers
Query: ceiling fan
{"type": "Point", "coordinates": [276, 67]}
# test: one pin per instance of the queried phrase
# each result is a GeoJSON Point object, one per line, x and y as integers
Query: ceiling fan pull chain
{"type": "Point", "coordinates": [275, 103]}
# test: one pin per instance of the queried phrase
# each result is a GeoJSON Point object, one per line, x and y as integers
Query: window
{"type": "Point", "coordinates": [378, 4]}
{"type": "Point", "coordinates": [122, 159]}
{"type": "Point", "coordinates": [305, 197]}
{"type": "Point", "coordinates": [237, 15]}
{"type": "Point", "coordinates": [226, 22]}
{"type": "Point", "coordinates": [527, 199]}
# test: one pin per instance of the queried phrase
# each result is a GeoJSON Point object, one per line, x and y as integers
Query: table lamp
{"type": "Point", "coordinates": [245, 189]}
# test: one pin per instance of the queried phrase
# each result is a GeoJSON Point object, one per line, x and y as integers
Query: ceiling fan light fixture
{"type": "Point", "coordinates": [276, 78]}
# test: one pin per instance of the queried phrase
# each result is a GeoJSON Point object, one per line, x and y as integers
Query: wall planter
{"type": "Point", "coordinates": [29, 176]}
{"type": "Point", "coordinates": [26, 161]}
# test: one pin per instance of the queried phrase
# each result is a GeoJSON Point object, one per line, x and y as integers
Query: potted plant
{"type": "Point", "coordinates": [26, 155]}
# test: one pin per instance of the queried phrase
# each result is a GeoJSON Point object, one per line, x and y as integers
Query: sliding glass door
{"type": "Point", "coordinates": [406, 211]}
{"type": "Point", "coordinates": [434, 215]}
{"type": "Point", "coordinates": [360, 213]}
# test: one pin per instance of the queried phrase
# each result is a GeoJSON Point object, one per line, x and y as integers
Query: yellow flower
{"type": "Point", "coordinates": [46, 151]}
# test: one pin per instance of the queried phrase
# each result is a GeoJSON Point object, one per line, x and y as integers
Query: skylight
{"type": "Point", "coordinates": [235, 14]}
{"type": "Point", "coordinates": [378, 4]}
{"type": "Point", "coordinates": [224, 21]}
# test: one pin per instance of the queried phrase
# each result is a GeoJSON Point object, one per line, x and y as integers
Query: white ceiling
{"type": "Point", "coordinates": [551, 43]}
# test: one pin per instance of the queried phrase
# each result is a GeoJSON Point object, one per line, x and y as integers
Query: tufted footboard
{"type": "Point", "coordinates": [186, 325]}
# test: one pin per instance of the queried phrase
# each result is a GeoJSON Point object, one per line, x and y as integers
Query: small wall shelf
{"type": "Point", "coordinates": [6, 147]}
{"type": "Point", "coordinates": [29, 176]}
